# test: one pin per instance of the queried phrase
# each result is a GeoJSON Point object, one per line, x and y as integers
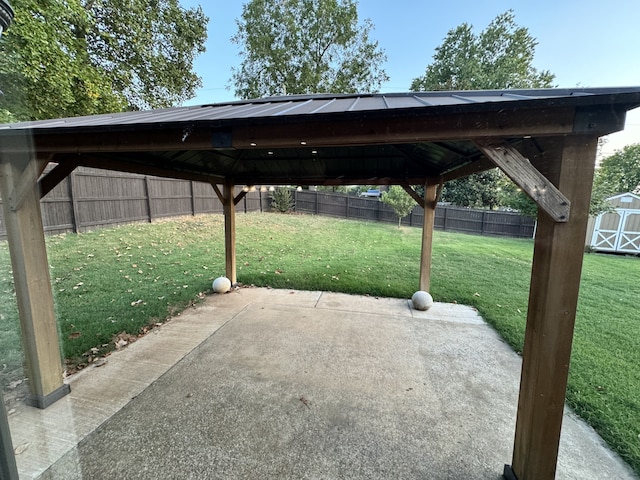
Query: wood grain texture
{"type": "Point", "coordinates": [430, 192]}
{"type": "Point", "coordinates": [553, 298]}
{"type": "Point", "coordinates": [531, 181]}
{"type": "Point", "coordinates": [31, 275]}
{"type": "Point", "coordinates": [230, 232]}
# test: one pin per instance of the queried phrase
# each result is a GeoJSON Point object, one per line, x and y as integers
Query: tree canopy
{"type": "Point", "coordinates": [501, 56]}
{"type": "Point", "coordinates": [305, 46]}
{"type": "Point", "coordinates": [617, 173]}
{"type": "Point", "coordinates": [477, 191]}
{"type": "Point", "coordinates": [620, 172]}
{"type": "Point", "coordinates": [79, 57]}
{"type": "Point", "coordinates": [399, 200]}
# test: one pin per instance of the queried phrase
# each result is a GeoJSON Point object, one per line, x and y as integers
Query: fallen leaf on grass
{"type": "Point", "coordinates": [75, 335]}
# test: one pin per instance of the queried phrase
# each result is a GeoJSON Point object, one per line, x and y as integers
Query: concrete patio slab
{"type": "Point", "coordinates": [262, 383]}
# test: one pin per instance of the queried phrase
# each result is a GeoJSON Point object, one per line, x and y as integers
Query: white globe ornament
{"type": "Point", "coordinates": [221, 285]}
{"type": "Point", "coordinates": [422, 300]}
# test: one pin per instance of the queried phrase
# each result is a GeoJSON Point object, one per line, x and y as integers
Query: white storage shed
{"type": "Point", "coordinates": [618, 231]}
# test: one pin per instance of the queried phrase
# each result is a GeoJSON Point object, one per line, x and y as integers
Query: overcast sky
{"type": "Point", "coordinates": [586, 43]}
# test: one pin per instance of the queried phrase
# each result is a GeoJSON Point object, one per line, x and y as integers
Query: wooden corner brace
{"type": "Point", "coordinates": [28, 180]}
{"type": "Point", "coordinates": [519, 169]}
{"type": "Point", "coordinates": [419, 200]}
{"type": "Point", "coordinates": [222, 198]}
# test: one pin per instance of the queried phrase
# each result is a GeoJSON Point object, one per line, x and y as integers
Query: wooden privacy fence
{"type": "Point", "coordinates": [91, 198]}
{"type": "Point", "coordinates": [449, 218]}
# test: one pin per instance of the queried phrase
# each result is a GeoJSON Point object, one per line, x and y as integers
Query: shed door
{"type": "Point", "coordinates": [629, 235]}
{"type": "Point", "coordinates": [617, 231]}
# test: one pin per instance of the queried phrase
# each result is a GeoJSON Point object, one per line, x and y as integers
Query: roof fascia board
{"type": "Point", "coordinates": [410, 129]}
{"type": "Point", "coordinates": [331, 131]}
{"type": "Point", "coordinates": [600, 120]}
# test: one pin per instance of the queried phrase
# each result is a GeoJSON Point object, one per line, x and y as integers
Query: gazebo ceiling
{"type": "Point", "coordinates": [326, 139]}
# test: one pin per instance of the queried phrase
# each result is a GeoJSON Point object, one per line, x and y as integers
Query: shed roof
{"type": "Point", "coordinates": [327, 138]}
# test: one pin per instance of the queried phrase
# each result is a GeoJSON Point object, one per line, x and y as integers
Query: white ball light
{"type": "Point", "coordinates": [422, 300]}
{"type": "Point", "coordinates": [221, 285]}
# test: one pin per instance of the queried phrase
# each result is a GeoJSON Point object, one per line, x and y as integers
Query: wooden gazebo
{"type": "Point", "coordinates": [544, 140]}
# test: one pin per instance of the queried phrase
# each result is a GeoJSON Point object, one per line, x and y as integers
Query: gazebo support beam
{"type": "Point", "coordinates": [229, 206]}
{"type": "Point", "coordinates": [429, 204]}
{"type": "Point", "coordinates": [31, 276]}
{"type": "Point", "coordinates": [553, 298]}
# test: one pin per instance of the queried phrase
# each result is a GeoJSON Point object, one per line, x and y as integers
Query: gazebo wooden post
{"type": "Point", "coordinates": [553, 297]}
{"type": "Point", "coordinates": [229, 205]}
{"type": "Point", "coordinates": [25, 233]}
{"type": "Point", "coordinates": [430, 203]}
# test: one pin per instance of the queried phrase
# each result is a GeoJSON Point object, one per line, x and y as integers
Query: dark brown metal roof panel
{"type": "Point", "coordinates": [328, 104]}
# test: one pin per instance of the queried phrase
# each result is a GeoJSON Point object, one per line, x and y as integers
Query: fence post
{"type": "Point", "coordinates": [347, 216]}
{"type": "Point", "coordinates": [444, 219]}
{"type": "Point", "coordinates": [74, 202]}
{"type": "Point", "coordinates": [482, 224]}
{"type": "Point", "coordinates": [147, 193]}
{"type": "Point", "coordinates": [316, 212]}
{"type": "Point", "coordinates": [74, 207]}
{"type": "Point", "coordinates": [193, 199]}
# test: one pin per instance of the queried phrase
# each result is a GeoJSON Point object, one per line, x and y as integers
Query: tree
{"type": "Point", "coordinates": [281, 200]}
{"type": "Point", "coordinates": [305, 46]}
{"type": "Point", "coordinates": [147, 48]}
{"type": "Point", "coordinates": [77, 57]}
{"type": "Point", "coordinates": [400, 201]}
{"type": "Point", "coordinates": [499, 57]}
{"type": "Point", "coordinates": [620, 172]}
{"type": "Point", "coordinates": [477, 190]}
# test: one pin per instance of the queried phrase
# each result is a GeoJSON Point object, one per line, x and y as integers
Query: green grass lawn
{"type": "Point", "coordinates": [130, 277]}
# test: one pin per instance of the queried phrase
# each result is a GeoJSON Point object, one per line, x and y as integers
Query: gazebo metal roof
{"type": "Point", "coordinates": [325, 139]}
{"type": "Point", "coordinates": [544, 140]}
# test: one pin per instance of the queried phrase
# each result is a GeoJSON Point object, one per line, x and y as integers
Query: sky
{"type": "Point", "coordinates": [585, 43]}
